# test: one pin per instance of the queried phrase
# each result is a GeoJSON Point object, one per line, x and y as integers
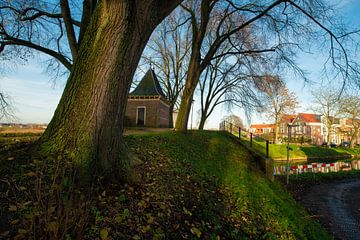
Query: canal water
{"type": "Point", "coordinates": [298, 168]}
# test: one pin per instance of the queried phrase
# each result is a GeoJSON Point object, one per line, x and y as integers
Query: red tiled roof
{"type": "Point", "coordinates": [288, 118]}
{"type": "Point", "coordinates": [310, 117]}
{"type": "Point", "coordinates": [262, 126]}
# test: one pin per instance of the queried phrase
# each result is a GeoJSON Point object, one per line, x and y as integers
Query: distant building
{"type": "Point", "coordinates": [147, 105]}
{"type": "Point", "coordinates": [284, 121]}
{"type": "Point", "coordinates": [310, 128]}
{"type": "Point", "coordinates": [261, 129]}
{"type": "Point", "coordinates": [341, 131]}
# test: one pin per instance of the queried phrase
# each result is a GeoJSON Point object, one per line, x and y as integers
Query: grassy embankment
{"type": "Point", "coordinates": [279, 151]}
{"type": "Point", "coordinates": [199, 185]}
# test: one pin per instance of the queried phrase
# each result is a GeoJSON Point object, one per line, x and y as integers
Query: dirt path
{"type": "Point", "coordinates": [337, 206]}
{"type": "Point", "coordinates": [135, 131]}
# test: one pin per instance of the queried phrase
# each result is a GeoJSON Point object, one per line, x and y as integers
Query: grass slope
{"type": "Point", "coordinates": [199, 185]}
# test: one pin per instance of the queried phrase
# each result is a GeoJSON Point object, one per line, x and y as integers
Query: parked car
{"type": "Point", "coordinates": [324, 144]}
{"type": "Point", "coordinates": [345, 144]}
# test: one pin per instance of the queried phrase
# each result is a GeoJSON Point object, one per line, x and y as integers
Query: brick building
{"type": "Point", "coordinates": [147, 105]}
{"type": "Point", "coordinates": [309, 126]}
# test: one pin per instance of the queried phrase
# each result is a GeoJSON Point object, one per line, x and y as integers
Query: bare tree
{"type": "Point", "coordinates": [5, 107]}
{"type": "Point", "coordinates": [281, 29]}
{"type": "Point", "coordinates": [226, 83]}
{"type": "Point", "coordinates": [350, 108]}
{"type": "Point", "coordinates": [326, 103]}
{"type": "Point", "coordinates": [168, 51]}
{"type": "Point", "coordinates": [234, 120]}
{"type": "Point", "coordinates": [50, 28]}
{"type": "Point", "coordinates": [279, 100]}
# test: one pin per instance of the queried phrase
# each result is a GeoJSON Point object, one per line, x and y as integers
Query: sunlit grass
{"type": "Point", "coordinates": [261, 208]}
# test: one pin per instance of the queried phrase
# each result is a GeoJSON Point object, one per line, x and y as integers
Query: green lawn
{"type": "Point", "coordinates": [279, 151]}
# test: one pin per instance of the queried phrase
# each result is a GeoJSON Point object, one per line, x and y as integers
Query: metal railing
{"type": "Point", "coordinates": [243, 134]}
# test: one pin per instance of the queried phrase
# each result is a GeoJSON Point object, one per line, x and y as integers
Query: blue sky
{"type": "Point", "coordinates": [35, 97]}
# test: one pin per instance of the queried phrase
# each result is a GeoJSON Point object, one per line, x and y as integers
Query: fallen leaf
{"type": "Point", "coordinates": [30, 174]}
{"type": "Point", "coordinates": [12, 208]}
{"type": "Point", "coordinates": [104, 234]}
{"type": "Point", "coordinates": [15, 221]}
{"type": "Point", "coordinates": [196, 232]}
{"type": "Point", "coordinates": [51, 209]}
{"type": "Point", "coordinates": [187, 211]}
{"type": "Point", "coordinates": [136, 237]}
{"type": "Point", "coordinates": [53, 226]}
{"type": "Point", "coordinates": [22, 231]}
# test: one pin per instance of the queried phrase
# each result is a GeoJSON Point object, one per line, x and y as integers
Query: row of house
{"type": "Point", "coordinates": [310, 128]}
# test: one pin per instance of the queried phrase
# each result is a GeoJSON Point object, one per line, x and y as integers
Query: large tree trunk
{"type": "Point", "coordinates": [328, 136]}
{"type": "Point", "coordinates": [276, 133]}
{"type": "Point", "coordinates": [354, 138]}
{"type": "Point", "coordinates": [184, 110]}
{"type": "Point", "coordinates": [88, 122]}
{"type": "Point", "coordinates": [192, 80]}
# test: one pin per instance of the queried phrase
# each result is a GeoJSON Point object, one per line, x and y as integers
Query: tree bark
{"type": "Point", "coordinates": [192, 80]}
{"type": "Point", "coordinates": [354, 137]}
{"type": "Point", "coordinates": [202, 122]}
{"type": "Point", "coordinates": [187, 98]}
{"type": "Point", "coordinates": [171, 119]}
{"type": "Point", "coordinates": [88, 123]}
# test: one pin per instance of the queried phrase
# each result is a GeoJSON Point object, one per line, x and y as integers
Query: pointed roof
{"type": "Point", "coordinates": [148, 86]}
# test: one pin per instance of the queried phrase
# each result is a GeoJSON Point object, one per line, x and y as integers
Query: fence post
{"type": "Point", "coordinates": [231, 128]}
{"type": "Point", "coordinates": [267, 148]}
{"type": "Point", "coordinates": [239, 133]}
{"type": "Point", "coordinates": [250, 139]}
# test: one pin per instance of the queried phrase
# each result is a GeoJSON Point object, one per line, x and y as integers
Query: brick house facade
{"type": "Point", "coordinates": [309, 127]}
{"type": "Point", "coordinates": [147, 105]}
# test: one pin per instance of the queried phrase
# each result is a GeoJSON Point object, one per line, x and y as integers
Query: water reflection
{"type": "Point", "coordinates": [318, 167]}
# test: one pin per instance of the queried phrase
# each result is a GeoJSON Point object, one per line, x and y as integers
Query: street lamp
{"type": "Point", "coordinates": [288, 150]}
